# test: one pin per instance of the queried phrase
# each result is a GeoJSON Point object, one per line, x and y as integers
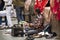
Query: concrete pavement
{"type": "Point", "coordinates": [9, 37]}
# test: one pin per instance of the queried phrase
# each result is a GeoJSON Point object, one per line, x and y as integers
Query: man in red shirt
{"type": "Point", "coordinates": [56, 8]}
{"type": "Point", "coordinates": [58, 11]}
{"type": "Point", "coordinates": [40, 4]}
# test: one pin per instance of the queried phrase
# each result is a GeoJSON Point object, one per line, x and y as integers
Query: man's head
{"type": "Point", "coordinates": [38, 11]}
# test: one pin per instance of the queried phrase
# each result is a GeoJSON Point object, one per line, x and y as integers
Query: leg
{"type": "Point", "coordinates": [49, 33]}
{"type": "Point", "coordinates": [8, 15]}
{"type": "Point", "coordinates": [0, 20]}
{"type": "Point", "coordinates": [30, 34]}
{"type": "Point", "coordinates": [29, 17]}
{"type": "Point", "coordinates": [19, 13]}
{"type": "Point", "coordinates": [48, 29]}
{"type": "Point", "coordinates": [5, 20]}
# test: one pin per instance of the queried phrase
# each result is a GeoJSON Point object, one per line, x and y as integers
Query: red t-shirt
{"type": "Point", "coordinates": [58, 12]}
{"type": "Point", "coordinates": [40, 4]}
{"type": "Point", "coordinates": [56, 8]}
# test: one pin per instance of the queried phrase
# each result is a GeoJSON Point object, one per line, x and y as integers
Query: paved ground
{"type": "Point", "coordinates": [9, 37]}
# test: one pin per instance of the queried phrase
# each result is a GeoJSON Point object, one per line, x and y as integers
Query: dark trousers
{"type": "Point", "coordinates": [49, 29]}
{"type": "Point", "coordinates": [19, 14]}
{"type": "Point", "coordinates": [1, 6]}
{"type": "Point", "coordinates": [3, 21]}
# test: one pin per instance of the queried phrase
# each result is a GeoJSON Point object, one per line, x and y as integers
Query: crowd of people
{"type": "Point", "coordinates": [32, 7]}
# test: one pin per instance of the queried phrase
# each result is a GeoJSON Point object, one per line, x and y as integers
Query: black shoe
{"type": "Point", "coordinates": [51, 35]}
{"type": "Point", "coordinates": [22, 35]}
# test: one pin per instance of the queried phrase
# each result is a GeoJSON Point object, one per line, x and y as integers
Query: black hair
{"type": "Point", "coordinates": [38, 10]}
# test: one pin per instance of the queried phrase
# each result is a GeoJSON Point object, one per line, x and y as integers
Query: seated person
{"type": "Point", "coordinates": [37, 25]}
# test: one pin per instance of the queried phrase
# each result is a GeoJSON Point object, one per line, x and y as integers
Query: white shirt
{"type": "Point", "coordinates": [8, 2]}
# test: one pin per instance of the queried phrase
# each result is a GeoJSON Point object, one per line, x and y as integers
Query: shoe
{"type": "Point", "coordinates": [49, 36]}
{"type": "Point", "coordinates": [38, 36]}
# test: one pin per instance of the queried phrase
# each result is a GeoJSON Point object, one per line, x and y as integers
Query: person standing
{"type": "Point", "coordinates": [19, 6]}
{"type": "Point", "coordinates": [1, 8]}
{"type": "Point", "coordinates": [29, 9]}
{"type": "Point", "coordinates": [8, 8]}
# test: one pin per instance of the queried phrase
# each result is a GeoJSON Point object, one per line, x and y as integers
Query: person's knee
{"type": "Point", "coordinates": [31, 32]}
